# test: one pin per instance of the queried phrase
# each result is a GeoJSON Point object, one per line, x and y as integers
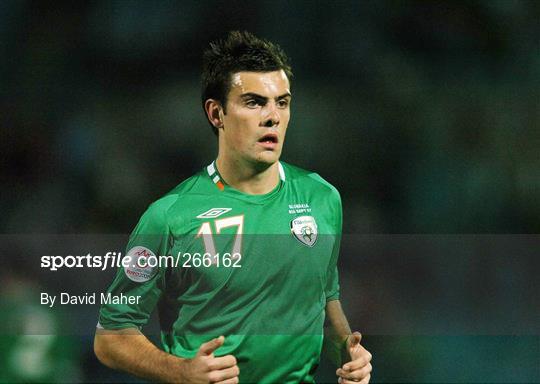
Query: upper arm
{"type": "Point", "coordinates": [145, 284]}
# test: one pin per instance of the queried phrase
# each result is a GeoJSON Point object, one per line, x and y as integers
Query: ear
{"type": "Point", "coordinates": [214, 113]}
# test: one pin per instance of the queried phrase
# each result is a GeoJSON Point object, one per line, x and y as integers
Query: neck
{"type": "Point", "coordinates": [246, 178]}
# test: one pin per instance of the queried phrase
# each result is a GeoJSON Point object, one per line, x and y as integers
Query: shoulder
{"type": "Point", "coordinates": [161, 207]}
{"type": "Point", "coordinates": [312, 180]}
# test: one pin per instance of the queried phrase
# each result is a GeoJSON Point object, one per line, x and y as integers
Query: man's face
{"type": "Point", "coordinates": [258, 111]}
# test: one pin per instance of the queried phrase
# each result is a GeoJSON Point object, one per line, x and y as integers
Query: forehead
{"type": "Point", "coordinates": [268, 84]}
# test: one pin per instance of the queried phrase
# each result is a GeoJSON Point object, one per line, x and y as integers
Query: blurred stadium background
{"type": "Point", "coordinates": [424, 114]}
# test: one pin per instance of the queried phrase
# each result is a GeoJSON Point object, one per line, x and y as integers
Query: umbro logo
{"type": "Point", "coordinates": [213, 212]}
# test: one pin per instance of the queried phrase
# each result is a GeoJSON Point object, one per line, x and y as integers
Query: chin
{"type": "Point", "coordinates": [266, 159]}
{"type": "Point", "coordinates": [270, 157]}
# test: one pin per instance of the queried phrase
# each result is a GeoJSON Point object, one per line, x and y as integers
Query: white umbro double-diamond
{"type": "Point", "coordinates": [213, 213]}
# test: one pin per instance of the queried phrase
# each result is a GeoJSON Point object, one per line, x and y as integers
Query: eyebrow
{"type": "Point", "coordinates": [260, 97]}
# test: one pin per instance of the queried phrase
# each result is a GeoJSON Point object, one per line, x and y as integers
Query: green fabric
{"type": "Point", "coordinates": [271, 309]}
{"type": "Point", "coordinates": [35, 343]}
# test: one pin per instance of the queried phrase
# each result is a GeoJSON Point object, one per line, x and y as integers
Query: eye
{"type": "Point", "coordinates": [283, 103]}
{"type": "Point", "coordinates": [251, 103]}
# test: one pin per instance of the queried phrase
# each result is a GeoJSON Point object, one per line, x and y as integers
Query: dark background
{"type": "Point", "coordinates": [424, 114]}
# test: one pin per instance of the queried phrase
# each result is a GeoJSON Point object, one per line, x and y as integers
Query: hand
{"type": "Point", "coordinates": [206, 368]}
{"type": "Point", "coordinates": [358, 370]}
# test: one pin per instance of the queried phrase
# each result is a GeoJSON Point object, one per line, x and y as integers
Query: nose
{"type": "Point", "coordinates": [270, 115]}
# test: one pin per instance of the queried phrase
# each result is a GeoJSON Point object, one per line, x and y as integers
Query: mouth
{"type": "Point", "coordinates": [269, 138]}
{"type": "Point", "coordinates": [269, 141]}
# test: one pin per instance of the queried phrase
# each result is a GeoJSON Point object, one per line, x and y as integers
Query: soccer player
{"type": "Point", "coordinates": [257, 242]}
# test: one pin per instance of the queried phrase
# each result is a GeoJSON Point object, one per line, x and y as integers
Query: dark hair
{"type": "Point", "coordinates": [239, 51]}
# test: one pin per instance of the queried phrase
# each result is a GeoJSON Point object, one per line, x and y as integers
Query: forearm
{"type": "Point", "coordinates": [130, 351]}
{"type": "Point", "coordinates": [336, 333]}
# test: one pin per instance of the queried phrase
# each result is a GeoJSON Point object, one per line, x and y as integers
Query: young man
{"type": "Point", "coordinates": [257, 240]}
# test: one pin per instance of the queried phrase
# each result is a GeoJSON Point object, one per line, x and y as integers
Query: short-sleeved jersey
{"type": "Point", "coordinates": [258, 269]}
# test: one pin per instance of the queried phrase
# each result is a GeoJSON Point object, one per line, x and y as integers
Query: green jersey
{"type": "Point", "coordinates": [258, 269]}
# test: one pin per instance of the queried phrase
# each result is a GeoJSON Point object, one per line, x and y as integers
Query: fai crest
{"type": "Point", "coordinates": [304, 228]}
